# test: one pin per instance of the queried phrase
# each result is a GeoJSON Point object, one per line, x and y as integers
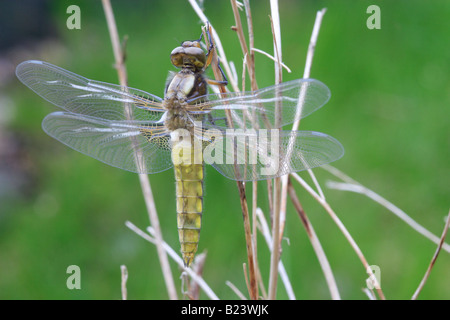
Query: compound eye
{"type": "Point", "coordinates": [188, 54]}
{"type": "Point", "coordinates": [177, 57]}
{"type": "Point", "coordinates": [196, 56]}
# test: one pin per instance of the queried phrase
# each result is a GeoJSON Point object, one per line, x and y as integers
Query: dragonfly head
{"type": "Point", "coordinates": [189, 55]}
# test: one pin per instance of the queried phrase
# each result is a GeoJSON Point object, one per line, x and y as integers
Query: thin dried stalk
{"type": "Point", "coordinates": [144, 181]}
{"type": "Point", "coordinates": [271, 58]}
{"type": "Point", "coordinates": [244, 67]}
{"type": "Point", "coordinates": [277, 231]}
{"type": "Point", "coordinates": [343, 229]}
{"type": "Point", "coordinates": [306, 74]}
{"type": "Point", "coordinates": [248, 52]}
{"type": "Point", "coordinates": [250, 56]}
{"type": "Point", "coordinates": [354, 186]}
{"type": "Point", "coordinates": [433, 260]}
{"type": "Point", "coordinates": [197, 267]}
{"type": "Point", "coordinates": [324, 264]}
{"type": "Point", "coordinates": [320, 253]}
{"type": "Point", "coordinates": [236, 290]}
{"type": "Point", "coordinates": [253, 285]}
{"type": "Point", "coordinates": [369, 294]}
{"type": "Point", "coordinates": [295, 126]}
{"type": "Point", "coordinates": [251, 44]}
{"type": "Point", "coordinates": [276, 29]}
{"type": "Point", "coordinates": [238, 28]}
{"type": "Point", "coordinates": [264, 228]}
{"type": "Point", "coordinates": [175, 256]}
{"type": "Point", "coordinates": [124, 277]}
{"type": "Point", "coordinates": [218, 44]}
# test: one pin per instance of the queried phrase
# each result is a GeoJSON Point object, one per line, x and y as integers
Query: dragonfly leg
{"type": "Point", "coordinates": [209, 57]}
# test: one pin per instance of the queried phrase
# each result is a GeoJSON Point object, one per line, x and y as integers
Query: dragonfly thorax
{"type": "Point", "coordinates": [184, 85]}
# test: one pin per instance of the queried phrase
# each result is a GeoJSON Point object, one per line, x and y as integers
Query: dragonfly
{"type": "Point", "coordinates": [239, 133]}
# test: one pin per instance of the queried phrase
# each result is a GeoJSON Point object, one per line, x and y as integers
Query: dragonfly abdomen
{"type": "Point", "coordinates": [189, 194]}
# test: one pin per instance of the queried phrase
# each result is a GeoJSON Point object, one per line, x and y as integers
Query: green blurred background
{"type": "Point", "coordinates": [389, 108]}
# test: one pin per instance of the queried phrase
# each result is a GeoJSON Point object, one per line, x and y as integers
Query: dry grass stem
{"type": "Point", "coordinates": [313, 42]}
{"type": "Point", "coordinates": [238, 28]}
{"type": "Point", "coordinates": [217, 42]}
{"type": "Point", "coordinates": [144, 181]}
{"type": "Point", "coordinates": [251, 41]}
{"type": "Point", "coordinates": [236, 290]}
{"type": "Point", "coordinates": [353, 186]}
{"type": "Point", "coordinates": [124, 278]}
{"type": "Point", "coordinates": [253, 284]}
{"type": "Point", "coordinates": [343, 229]}
{"type": "Point", "coordinates": [323, 261]}
{"type": "Point", "coordinates": [249, 65]}
{"type": "Point", "coordinates": [175, 257]}
{"type": "Point", "coordinates": [276, 238]}
{"type": "Point", "coordinates": [247, 282]}
{"type": "Point", "coordinates": [278, 199]}
{"type": "Point", "coordinates": [276, 30]}
{"type": "Point", "coordinates": [264, 229]}
{"type": "Point", "coordinates": [433, 260]}
{"type": "Point", "coordinates": [248, 51]}
{"type": "Point", "coordinates": [307, 71]}
{"type": "Point", "coordinates": [306, 74]}
{"type": "Point", "coordinates": [271, 58]}
{"type": "Point", "coordinates": [197, 267]}
{"type": "Point", "coordinates": [369, 294]}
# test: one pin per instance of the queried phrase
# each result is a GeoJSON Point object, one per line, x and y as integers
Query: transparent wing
{"type": "Point", "coordinates": [248, 155]}
{"type": "Point", "coordinates": [136, 146]}
{"type": "Point", "coordinates": [77, 94]}
{"type": "Point", "coordinates": [258, 109]}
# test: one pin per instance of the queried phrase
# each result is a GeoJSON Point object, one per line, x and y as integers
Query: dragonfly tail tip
{"type": "Point", "coordinates": [187, 259]}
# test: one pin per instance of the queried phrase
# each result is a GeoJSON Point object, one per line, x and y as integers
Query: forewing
{"type": "Point", "coordinates": [77, 94]}
{"type": "Point", "coordinates": [259, 154]}
{"type": "Point", "coordinates": [271, 107]}
{"type": "Point", "coordinates": [135, 146]}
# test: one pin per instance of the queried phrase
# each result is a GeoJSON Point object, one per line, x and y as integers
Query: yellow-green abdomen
{"type": "Point", "coordinates": [189, 193]}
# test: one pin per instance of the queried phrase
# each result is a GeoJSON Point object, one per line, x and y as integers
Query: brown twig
{"type": "Point", "coordinates": [251, 45]}
{"type": "Point", "coordinates": [250, 59]}
{"type": "Point", "coordinates": [433, 260]}
{"type": "Point", "coordinates": [242, 196]}
{"type": "Point", "coordinates": [197, 267]}
{"type": "Point", "coordinates": [219, 47]}
{"type": "Point", "coordinates": [144, 181]}
{"type": "Point", "coordinates": [325, 265]}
